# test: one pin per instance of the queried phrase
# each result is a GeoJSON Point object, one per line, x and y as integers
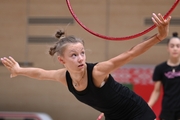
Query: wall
{"type": "Point", "coordinates": [16, 39]}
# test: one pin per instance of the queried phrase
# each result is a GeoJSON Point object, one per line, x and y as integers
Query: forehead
{"type": "Point", "coordinates": [74, 47]}
{"type": "Point", "coordinates": [174, 41]}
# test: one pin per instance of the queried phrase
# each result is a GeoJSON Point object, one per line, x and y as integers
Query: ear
{"type": "Point", "coordinates": [60, 59]}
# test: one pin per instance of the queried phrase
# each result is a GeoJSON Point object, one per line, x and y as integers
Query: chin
{"type": "Point", "coordinates": [175, 56]}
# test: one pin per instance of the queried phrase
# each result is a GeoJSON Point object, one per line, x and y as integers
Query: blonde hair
{"type": "Point", "coordinates": [62, 42]}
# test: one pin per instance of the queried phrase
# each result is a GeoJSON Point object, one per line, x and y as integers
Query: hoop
{"type": "Point", "coordinates": [119, 38]}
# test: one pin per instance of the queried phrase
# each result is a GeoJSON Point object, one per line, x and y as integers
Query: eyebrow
{"type": "Point", "coordinates": [75, 50]}
{"type": "Point", "coordinates": [174, 44]}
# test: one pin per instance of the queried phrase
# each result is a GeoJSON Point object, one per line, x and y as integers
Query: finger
{"type": "Point", "coordinates": [169, 19]}
{"type": "Point", "coordinates": [7, 66]}
{"type": "Point", "coordinates": [154, 21]}
{"type": "Point", "coordinates": [12, 59]}
{"type": "Point", "coordinates": [8, 61]}
{"type": "Point", "coordinates": [11, 76]}
{"type": "Point", "coordinates": [100, 116]}
{"type": "Point", "coordinates": [161, 18]}
{"type": "Point", "coordinates": [2, 60]}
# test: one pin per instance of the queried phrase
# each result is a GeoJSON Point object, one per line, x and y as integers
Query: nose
{"type": "Point", "coordinates": [80, 58]}
{"type": "Point", "coordinates": [175, 48]}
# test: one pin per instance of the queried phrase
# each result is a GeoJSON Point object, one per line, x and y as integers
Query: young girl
{"type": "Point", "coordinates": [167, 74]}
{"type": "Point", "coordinates": [92, 83]}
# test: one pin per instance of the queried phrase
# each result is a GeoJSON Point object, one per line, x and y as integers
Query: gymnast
{"type": "Point", "coordinates": [92, 83]}
{"type": "Point", "coordinates": [167, 76]}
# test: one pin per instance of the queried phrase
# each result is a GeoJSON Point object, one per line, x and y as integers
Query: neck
{"type": "Point", "coordinates": [173, 61]}
{"type": "Point", "coordinates": [77, 77]}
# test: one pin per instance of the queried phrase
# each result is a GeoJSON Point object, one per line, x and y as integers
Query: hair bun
{"type": "Point", "coordinates": [175, 34]}
{"type": "Point", "coordinates": [59, 34]}
{"type": "Point", "coordinates": [52, 50]}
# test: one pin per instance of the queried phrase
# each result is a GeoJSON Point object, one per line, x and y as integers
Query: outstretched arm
{"type": "Point", "coordinates": [104, 68]}
{"type": "Point", "coordinates": [36, 73]}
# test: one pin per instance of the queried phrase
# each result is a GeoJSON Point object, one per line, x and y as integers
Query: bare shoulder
{"type": "Point", "coordinates": [61, 76]}
{"type": "Point", "coordinates": [100, 72]}
{"type": "Point", "coordinates": [102, 68]}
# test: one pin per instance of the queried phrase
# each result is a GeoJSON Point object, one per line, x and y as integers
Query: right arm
{"type": "Point", "coordinates": [155, 94]}
{"type": "Point", "coordinates": [35, 73]}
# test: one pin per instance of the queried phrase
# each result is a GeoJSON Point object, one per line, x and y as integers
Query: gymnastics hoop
{"type": "Point", "coordinates": [118, 38]}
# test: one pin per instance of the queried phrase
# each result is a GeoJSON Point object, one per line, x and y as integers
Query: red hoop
{"type": "Point", "coordinates": [119, 38]}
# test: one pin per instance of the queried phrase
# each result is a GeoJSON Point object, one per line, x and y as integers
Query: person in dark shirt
{"type": "Point", "coordinates": [92, 83]}
{"type": "Point", "coordinates": [167, 75]}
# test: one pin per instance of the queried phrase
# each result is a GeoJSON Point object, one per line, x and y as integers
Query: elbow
{"type": "Point", "coordinates": [157, 91]}
{"type": "Point", "coordinates": [38, 76]}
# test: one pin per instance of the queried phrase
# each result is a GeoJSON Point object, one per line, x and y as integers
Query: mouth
{"type": "Point", "coordinates": [81, 65]}
{"type": "Point", "coordinates": [175, 53]}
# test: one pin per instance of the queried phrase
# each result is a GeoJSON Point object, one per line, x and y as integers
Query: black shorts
{"type": "Point", "coordinates": [169, 115]}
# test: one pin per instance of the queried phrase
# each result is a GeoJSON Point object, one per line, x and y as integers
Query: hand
{"type": "Point", "coordinates": [11, 65]}
{"type": "Point", "coordinates": [100, 116]}
{"type": "Point", "coordinates": [162, 24]}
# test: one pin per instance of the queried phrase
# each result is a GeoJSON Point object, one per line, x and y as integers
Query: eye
{"type": "Point", "coordinates": [73, 55]}
{"type": "Point", "coordinates": [178, 46]}
{"type": "Point", "coordinates": [171, 46]}
{"type": "Point", "coordinates": [82, 53]}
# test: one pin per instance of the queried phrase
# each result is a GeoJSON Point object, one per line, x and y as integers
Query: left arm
{"type": "Point", "coordinates": [104, 68]}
